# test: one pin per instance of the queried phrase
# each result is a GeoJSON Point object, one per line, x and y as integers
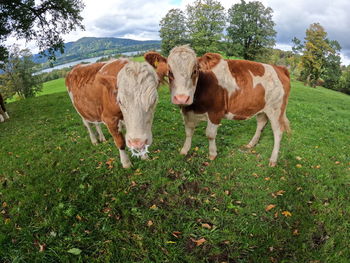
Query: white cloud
{"type": "Point", "coordinates": [139, 19]}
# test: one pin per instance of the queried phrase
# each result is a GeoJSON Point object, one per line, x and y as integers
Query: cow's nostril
{"type": "Point", "coordinates": [181, 99]}
{"type": "Point", "coordinates": [137, 143]}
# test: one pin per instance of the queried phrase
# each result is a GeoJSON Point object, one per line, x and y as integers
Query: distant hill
{"type": "Point", "coordinates": [88, 47]}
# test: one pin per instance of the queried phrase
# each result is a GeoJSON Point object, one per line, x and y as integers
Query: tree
{"type": "Point", "coordinates": [18, 77]}
{"type": "Point", "coordinates": [319, 56]}
{"type": "Point", "coordinates": [251, 29]}
{"type": "Point", "coordinates": [332, 66]}
{"type": "Point", "coordinates": [172, 30]}
{"type": "Point", "coordinates": [43, 21]}
{"type": "Point", "coordinates": [205, 23]}
{"type": "Point", "coordinates": [344, 84]}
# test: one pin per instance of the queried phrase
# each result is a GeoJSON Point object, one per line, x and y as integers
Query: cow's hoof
{"type": "Point", "coordinates": [183, 152]}
{"type": "Point", "coordinates": [127, 165]}
{"type": "Point", "coordinates": [212, 157]}
{"type": "Point", "coordinates": [272, 164]}
{"type": "Point", "coordinates": [95, 143]}
{"type": "Point", "coordinates": [248, 146]}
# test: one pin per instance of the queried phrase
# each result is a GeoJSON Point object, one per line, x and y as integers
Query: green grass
{"type": "Point", "coordinates": [53, 86]}
{"type": "Point", "coordinates": [57, 192]}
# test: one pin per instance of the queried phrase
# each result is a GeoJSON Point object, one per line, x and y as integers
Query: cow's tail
{"type": "Point", "coordinates": [285, 124]}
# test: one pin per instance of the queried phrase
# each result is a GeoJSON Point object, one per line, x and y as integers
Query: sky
{"type": "Point", "coordinates": [139, 19]}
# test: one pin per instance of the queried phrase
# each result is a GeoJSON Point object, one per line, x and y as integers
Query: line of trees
{"type": "Point", "coordinates": [247, 31]}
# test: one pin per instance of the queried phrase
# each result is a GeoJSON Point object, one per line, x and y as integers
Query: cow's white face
{"type": "Point", "coordinates": [137, 97]}
{"type": "Point", "coordinates": [183, 72]}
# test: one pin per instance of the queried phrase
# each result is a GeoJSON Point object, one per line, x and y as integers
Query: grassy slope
{"type": "Point", "coordinates": [57, 191]}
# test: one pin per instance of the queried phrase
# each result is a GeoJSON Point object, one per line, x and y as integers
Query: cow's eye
{"type": "Point", "coordinates": [195, 72]}
{"type": "Point", "coordinates": [171, 75]}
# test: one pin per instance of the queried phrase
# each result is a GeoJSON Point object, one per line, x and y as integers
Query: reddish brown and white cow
{"type": "Point", "coordinates": [3, 114]}
{"type": "Point", "coordinates": [212, 88]}
{"type": "Point", "coordinates": [115, 93]}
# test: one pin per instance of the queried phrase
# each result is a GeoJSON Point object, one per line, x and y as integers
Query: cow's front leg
{"type": "Point", "coordinates": [120, 143]}
{"type": "Point", "coordinates": [190, 124]}
{"type": "Point", "coordinates": [211, 132]}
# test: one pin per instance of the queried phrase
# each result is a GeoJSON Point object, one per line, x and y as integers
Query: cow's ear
{"type": "Point", "coordinates": [159, 63]}
{"type": "Point", "coordinates": [154, 58]}
{"type": "Point", "coordinates": [209, 60]}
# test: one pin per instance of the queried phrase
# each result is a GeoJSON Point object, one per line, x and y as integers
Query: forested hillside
{"type": "Point", "coordinates": [89, 47]}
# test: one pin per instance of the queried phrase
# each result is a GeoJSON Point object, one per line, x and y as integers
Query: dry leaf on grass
{"type": "Point", "coordinates": [199, 242]}
{"type": "Point", "coordinates": [269, 207]}
{"type": "Point", "coordinates": [207, 226]}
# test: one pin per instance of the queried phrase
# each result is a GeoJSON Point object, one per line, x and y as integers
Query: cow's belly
{"type": "Point", "coordinates": [89, 109]}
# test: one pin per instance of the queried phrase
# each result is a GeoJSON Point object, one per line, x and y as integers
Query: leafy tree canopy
{"type": "Point", "coordinates": [172, 30]}
{"type": "Point", "coordinates": [42, 21]}
{"type": "Point", "coordinates": [320, 57]}
{"type": "Point", "coordinates": [251, 29]}
{"type": "Point", "coordinates": [19, 77]}
{"type": "Point", "coordinates": [205, 23]}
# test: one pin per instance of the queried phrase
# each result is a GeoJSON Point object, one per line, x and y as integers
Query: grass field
{"type": "Point", "coordinates": [65, 200]}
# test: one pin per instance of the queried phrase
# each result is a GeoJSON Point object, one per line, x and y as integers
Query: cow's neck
{"type": "Point", "coordinates": [209, 97]}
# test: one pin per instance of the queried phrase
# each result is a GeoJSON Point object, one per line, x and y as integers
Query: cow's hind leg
{"type": "Point", "coordinates": [261, 120]}
{"type": "Point", "coordinates": [101, 136]}
{"type": "Point", "coordinates": [190, 124]}
{"type": "Point", "coordinates": [211, 132]}
{"type": "Point", "coordinates": [1, 118]}
{"type": "Point", "coordinates": [88, 125]}
{"type": "Point", "coordinates": [277, 134]}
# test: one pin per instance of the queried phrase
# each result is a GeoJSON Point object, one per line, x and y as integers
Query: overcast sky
{"type": "Point", "coordinates": [139, 19]}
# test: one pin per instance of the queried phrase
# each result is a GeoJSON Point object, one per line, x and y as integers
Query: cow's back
{"type": "Point", "coordinates": [258, 86]}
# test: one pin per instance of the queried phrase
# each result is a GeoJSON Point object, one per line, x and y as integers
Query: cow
{"type": "Point", "coordinates": [118, 93]}
{"type": "Point", "coordinates": [211, 88]}
{"type": "Point", "coordinates": [3, 113]}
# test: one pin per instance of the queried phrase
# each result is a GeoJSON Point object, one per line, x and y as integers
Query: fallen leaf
{"type": "Point", "coordinates": [199, 242]}
{"type": "Point", "coordinates": [150, 223]}
{"type": "Point", "coordinates": [286, 213]}
{"type": "Point", "coordinates": [153, 207]}
{"type": "Point", "coordinates": [269, 207]}
{"type": "Point", "coordinates": [299, 165]}
{"type": "Point", "coordinates": [207, 226]}
{"type": "Point", "coordinates": [42, 247]}
{"type": "Point", "coordinates": [4, 204]}
{"type": "Point", "coordinates": [171, 242]}
{"type": "Point", "coordinates": [196, 149]}
{"type": "Point", "coordinates": [78, 217]}
{"type": "Point", "coordinates": [295, 232]}
{"type": "Point", "coordinates": [267, 178]}
{"type": "Point", "coordinates": [110, 163]}
{"type": "Point", "coordinates": [298, 158]}
{"type": "Point", "coordinates": [176, 234]}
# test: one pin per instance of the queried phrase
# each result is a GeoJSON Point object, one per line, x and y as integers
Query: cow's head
{"type": "Point", "coordinates": [137, 97]}
{"type": "Point", "coordinates": [182, 68]}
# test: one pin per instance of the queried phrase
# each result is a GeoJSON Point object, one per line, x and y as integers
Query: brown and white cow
{"type": "Point", "coordinates": [212, 88]}
{"type": "Point", "coordinates": [116, 93]}
{"type": "Point", "coordinates": [3, 114]}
